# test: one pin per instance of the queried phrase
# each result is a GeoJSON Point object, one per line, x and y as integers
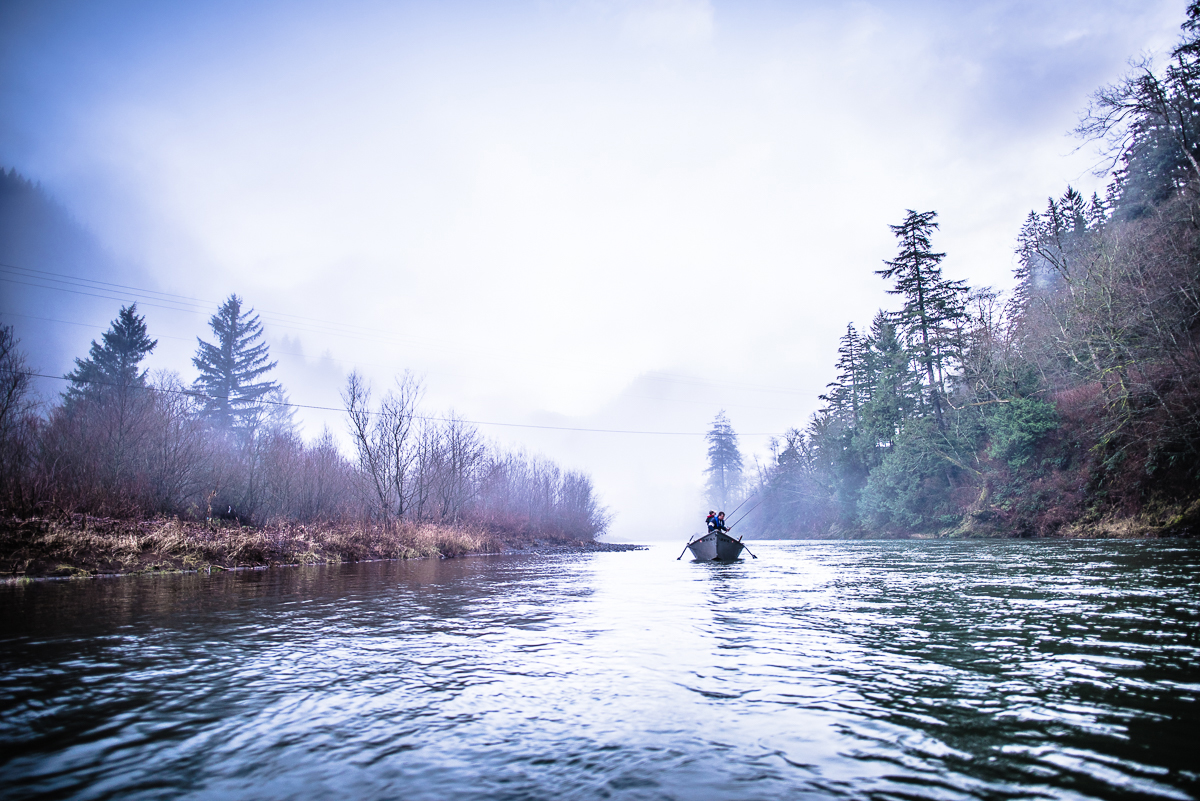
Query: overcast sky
{"type": "Point", "coordinates": [615, 215]}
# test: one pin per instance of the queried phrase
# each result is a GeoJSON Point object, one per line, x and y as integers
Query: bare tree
{"type": "Point", "coordinates": [18, 422]}
{"type": "Point", "coordinates": [464, 455]}
{"type": "Point", "coordinates": [179, 454]}
{"type": "Point", "coordinates": [385, 439]}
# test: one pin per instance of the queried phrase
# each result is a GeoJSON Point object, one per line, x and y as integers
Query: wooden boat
{"type": "Point", "coordinates": [716, 546]}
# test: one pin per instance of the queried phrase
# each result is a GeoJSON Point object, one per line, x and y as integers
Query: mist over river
{"type": "Point", "coordinates": [995, 669]}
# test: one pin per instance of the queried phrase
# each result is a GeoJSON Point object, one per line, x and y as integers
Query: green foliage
{"type": "Point", "coordinates": [1148, 125]}
{"type": "Point", "coordinates": [1016, 427]}
{"type": "Point", "coordinates": [894, 390]}
{"type": "Point", "coordinates": [852, 389]}
{"type": "Point", "coordinates": [111, 368]}
{"type": "Point", "coordinates": [229, 369]}
{"type": "Point", "coordinates": [1103, 320]}
{"type": "Point", "coordinates": [724, 462]}
{"type": "Point", "coordinates": [933, 306]}
{"type": "Point", "coordinates": [909, 486]}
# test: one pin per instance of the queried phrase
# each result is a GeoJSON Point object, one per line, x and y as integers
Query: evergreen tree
{"type": "Point", "coordinates": [1051, 245]}
{"type": "Point", "coordinates": [724, 462]}
{"type": "Point", "coordinates": [1149, 124]}
{"type": "Point", "coordinates": [110, 372]}
{"type": "Point", "coordinates": [229, 369]}
{"type": "Point", "coordinates": [852, 389]}
{"type": "Point", "coordinates": [107, 406]}
{"type": "Point", "coordinates": [933, 305]}
{"type": "Point", "coordinates": [893, 387]}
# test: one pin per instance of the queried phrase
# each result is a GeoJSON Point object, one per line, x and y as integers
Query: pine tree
{"type": "Point", "coordinates": [724, 462]}
{"type": "Point", "coordinates": [893, 387]}
{"type": "Point", "coordinates": [1053, 247]}
{"type": "Point", "coordinates": [1148, 124]}
{"type": "Point", "coordinates": [110, 372]}
{"type": "Point", "coordinates": [229, 369]}
{"type": "Point", "coordinates": [852, 389]}
{"type": "Point", "coordinates": [933, 305]}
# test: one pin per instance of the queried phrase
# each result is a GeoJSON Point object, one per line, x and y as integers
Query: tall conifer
{"type": "Point", "coordinates": [724, 461]}
{"type": "Point", "coordinates": [852, 389]}
{"type": "Point", "coordinates": [933, 305]}
{"type": "Point", "coordinates": [894, 390]}
{"type": "Point", "coordinates": [229, 369]}
{"type": "Point", "coordinates": [111, 369]}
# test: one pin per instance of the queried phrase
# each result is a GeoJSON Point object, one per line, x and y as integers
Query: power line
{"type": "Point", "coordinates": [276, 352]}
{"type": "Point", "coordinates": [288, 404]}
{"type": "Point", "coordinates": [92, 283]}
{"type": "Point", "coordinates": [185, 303]}
{"type": "Point", "coordinates": [295, 322]}
{"type": "Point", "coordinates": [183, 308]}
{"type": "Point", "coordinates": [92, 325]}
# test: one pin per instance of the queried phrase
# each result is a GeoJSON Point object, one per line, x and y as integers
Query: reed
{"type": "Point", "coordinates": [84, 546]}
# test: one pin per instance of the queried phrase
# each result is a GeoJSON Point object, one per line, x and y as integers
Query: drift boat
{"type": "Point", "coordinates": [716, 546]}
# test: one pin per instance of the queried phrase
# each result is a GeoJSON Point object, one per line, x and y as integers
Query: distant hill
{"type": "Point", "coordinates": [49, 315]}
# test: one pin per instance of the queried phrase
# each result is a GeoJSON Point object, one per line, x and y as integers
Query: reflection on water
{"type": "Point", "coordinates": [858, 670]}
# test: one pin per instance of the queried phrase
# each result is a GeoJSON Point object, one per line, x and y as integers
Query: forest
{"type": "Point", "coordinates": [122, 444]}
{"type": "Point", "coordinates": [1068, 406]}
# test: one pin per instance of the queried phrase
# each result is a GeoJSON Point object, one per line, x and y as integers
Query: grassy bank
{"type": "Point", "coordinates": [88, 546]}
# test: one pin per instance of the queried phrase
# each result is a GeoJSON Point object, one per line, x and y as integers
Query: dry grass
{"type": "Point", "coordinates": [81, 546]}
{"type": "Point", "coordinates": [1167, 520]}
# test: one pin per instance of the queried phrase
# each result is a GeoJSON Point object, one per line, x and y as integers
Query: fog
{"type": "Point", "coordinates": [575, 220]}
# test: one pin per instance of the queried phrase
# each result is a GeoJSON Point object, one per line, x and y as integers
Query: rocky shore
{"type": "Point", "coordinates": [541, 546]}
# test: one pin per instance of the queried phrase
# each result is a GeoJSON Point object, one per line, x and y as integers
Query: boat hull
{"type": "Point", "coordinates": [715, 546]}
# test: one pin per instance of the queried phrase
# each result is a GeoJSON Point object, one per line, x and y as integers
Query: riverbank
{"type": "Point", "coordinates": [83, 546]}
{"type": "Point", "coordinates": [1159, 521]}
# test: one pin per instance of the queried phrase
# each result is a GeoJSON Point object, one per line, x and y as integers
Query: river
{"type": "Point", "coordinates": [873, 670]}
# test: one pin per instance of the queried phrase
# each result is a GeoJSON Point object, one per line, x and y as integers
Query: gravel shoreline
{"type": "Point", "coordinates": [581, 547]}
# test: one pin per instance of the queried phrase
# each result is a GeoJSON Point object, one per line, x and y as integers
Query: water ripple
{"type": "Point", "coordinates": [943, 670]}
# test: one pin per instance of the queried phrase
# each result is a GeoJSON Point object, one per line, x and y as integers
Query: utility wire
{"type": "Point", "coordinates": [192, 305]}
{"type": "Point", "coordinates": [327, 357]}
{"type": "Point", "coordinates": [197, 394]}
{"type": "Point", "coordinates": [139, 297]}
{"type": "Point", "coordinates": [283, 319]}
{"type": "Point", "coordinates": [201, 305]}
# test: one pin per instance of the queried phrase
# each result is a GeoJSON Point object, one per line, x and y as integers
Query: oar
{"type": "Point", "coordinates": [677, 558]}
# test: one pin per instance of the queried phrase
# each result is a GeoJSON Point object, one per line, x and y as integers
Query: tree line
{"type": "Point", "coordinates": [122, 442]}
{"type": "Point", "coordinates": [1073, 398]}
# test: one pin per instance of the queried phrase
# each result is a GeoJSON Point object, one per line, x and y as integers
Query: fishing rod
{"type": "Point", "coordinates": [690, 540]}
{"type": "Point", "coordinates": [740, 519]}
{"type": "Point", "coordinates": [730, 528]}
{"type": "Point", "coordinates": [747, 514]}
{"type": "Point", "coordinates": [740, 505]}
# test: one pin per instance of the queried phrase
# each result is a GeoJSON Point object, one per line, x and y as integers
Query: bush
{"type": "Point", "coordinates": [1014, 429]}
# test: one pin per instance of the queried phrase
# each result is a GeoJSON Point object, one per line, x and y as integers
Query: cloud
{"type": "Point", "coordinates": [536, 206]}
{"type": "Point", "coordinates": [668, 22]}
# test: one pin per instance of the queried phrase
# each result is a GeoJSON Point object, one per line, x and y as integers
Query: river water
{"type": "Point", "coordinates": [880, 670]}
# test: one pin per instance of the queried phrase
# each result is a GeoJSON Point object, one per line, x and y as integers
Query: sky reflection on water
{"type": "Point", "coordinates": [850, 670]}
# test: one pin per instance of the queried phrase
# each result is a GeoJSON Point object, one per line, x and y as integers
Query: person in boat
{"type": "Point", "coordinates": [720, 525]}
{"type": "Point", "coordinates": [711, 521]}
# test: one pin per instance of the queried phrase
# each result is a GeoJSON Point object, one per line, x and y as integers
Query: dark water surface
{"type": "Point", "coordinates": [821, 670]}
